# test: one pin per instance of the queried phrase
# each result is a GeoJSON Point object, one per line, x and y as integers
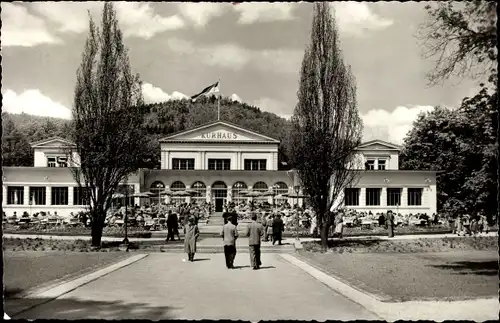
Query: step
{"type": "Point", "coordinates": [218, 249]}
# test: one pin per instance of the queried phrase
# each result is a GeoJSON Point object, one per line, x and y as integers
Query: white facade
{"type": "Point", "coordinates": [54, 152]}
{"type": "Point", "coordinates": [219, 140]}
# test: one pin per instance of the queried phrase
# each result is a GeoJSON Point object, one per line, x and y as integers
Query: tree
{"type": "Point", "coordinates": [462, 145]}
{"type": "Point", "coordinates": [16, 150]}
{"type": "Point", "coordinates": [107, 118]}
{"type": "Point", "coordinates": [462, 37]}
{"type": "Point", "coordinates": [326, 127]}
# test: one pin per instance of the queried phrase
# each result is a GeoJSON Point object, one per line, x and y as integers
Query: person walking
{"type": "Point", "coordinates": [229, 235]}
{"type": "Point", "coordinates": [191, 234]}
{"type": "Point", "coordinates": [265, 226]}
{"type": "Point", "coordinates": [172, 225]}
{"type": "Point", "coordinates": [390, 224]}
{"type": "Point", "coordinates": [269, 229]}
{"type": "Point", "coordinates": [339, 224]}
{"type": "Point", "coordinates": [255, 231]}
{"type": "Point", "coordinates": [278, 228]}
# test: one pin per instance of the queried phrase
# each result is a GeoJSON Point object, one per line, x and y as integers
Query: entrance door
{"type": "Point", "coordinates": [219, 204]}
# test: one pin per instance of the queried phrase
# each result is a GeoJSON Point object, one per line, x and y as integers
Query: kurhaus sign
{"type": "Point", "coordinates": [219, 135]}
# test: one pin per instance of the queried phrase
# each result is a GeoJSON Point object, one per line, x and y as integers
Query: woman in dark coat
{"type": "Point", "coordinates": [191, 234]}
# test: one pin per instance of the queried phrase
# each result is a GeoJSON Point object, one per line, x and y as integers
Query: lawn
{"type": "Point", "coordinates": [452, 275]}
{"type": "Point", "coordinates": [26, 270]}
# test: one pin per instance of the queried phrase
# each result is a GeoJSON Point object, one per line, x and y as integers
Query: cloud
{"type": "Point", "coordinates": [33, 102]}
{"type": "Point", "coordinates": [20, 28]}
{"type": "Point", "coordinates": [235, 57]}
{"type": "Point", "coordinates": [391, 126]}
{"type": "Point", "coordinates": [235, 97]}
{"type": "Point", "coordinates": [356, 18]}
{"type": "Point", "coordinates": [274, 106]}
{"type": "Point", "coordinates": [154, 94]}
{"type": "Point", "coordinates": [201, 13]}
{"type": "Point", "coordinates": [135, 19]}
{"type": "Point", "coordinates": [251, 12]}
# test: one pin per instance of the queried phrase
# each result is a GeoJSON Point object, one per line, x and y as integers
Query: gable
{"type": "Point", "coordinates": [378, 145]}
{"type": "Point", "coordinates": [217, 132]}
{"type": "Point", "coordinates": [55, 142]}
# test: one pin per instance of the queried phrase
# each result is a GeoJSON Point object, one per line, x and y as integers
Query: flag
{"type": "Point", "coordinates": [214, 88]}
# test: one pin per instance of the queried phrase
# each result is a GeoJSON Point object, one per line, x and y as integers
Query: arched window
{"type": "Point", "coordinates": [260, 187]}
{"type": "Point", "coordinates": [201, 192]}
{"type": "Point", "coordinates": [156, 188]}
{"type": "Point", "coordinates": [237, 188]}
{"type": "Point", "coordinates": [177, 186]}
{"type": "Point", "coordinates": [278, 189]}
{"type": "Point", "coordinates": [219, 190]}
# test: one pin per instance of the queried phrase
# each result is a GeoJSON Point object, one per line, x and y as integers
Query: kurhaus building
{"type": "Point", "coordinates": [218, 160]}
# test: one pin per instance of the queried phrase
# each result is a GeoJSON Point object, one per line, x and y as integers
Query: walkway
{"type": "Point", "coordinates": [163, 286]}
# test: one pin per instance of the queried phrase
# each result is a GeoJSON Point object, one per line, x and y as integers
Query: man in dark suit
{"type": "Point", "coordinates": [172, 226]}
{"type": "Point", "coordinates": [255, 231]}
{"type": "Point", "coordinates": [278, 228]}
{"type": "Point", "coordinates": [229, 235]}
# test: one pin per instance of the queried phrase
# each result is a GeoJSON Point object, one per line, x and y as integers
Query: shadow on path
{"type": "Point", "coordinates": [201, 259]}
{"type": "Point", "coordinates": [267, 267]}
{"type": "Point", "coordinates": [73, 308]}
{"type": "Point", "coordinates": [487, 268]}
{"type": "Point", "coordinates": [241, 267]}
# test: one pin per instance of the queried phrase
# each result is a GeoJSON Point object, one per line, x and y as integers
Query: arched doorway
{"type": "Point", "coordinates": [261, 187]}
{"type": "Point", "coordinates": [219, 195]}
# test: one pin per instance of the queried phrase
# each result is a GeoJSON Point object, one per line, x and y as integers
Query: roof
{"type": "Point", "coordinates": [175, 136]}
{"type": "Point", "coordinates": [379, 142]}
{"type": "Point", "coordinates": [50, 140]}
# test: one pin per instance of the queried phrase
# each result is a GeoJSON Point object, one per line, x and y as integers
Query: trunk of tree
{"type": "Point", "coordinates": [96, 233]}
{"type": "Point", "coordinates": [324, 235]}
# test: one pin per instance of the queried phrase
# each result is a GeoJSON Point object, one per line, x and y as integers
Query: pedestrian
{"type": "Point", "coordinates": [264, 225]}
{"type": "Point", "coordinates": [269, 229]}
{"type": "Point", "coordinates": [229, 235]}
{"type": "Point", "coordinates": [255, 230]}
{"type": "Point", "coordinates": [191, 234]}
{"type": "Point", "coordinates": [278, 228]}
{"type": "Point", "coordinates": [339, 224]}
{"type": "Point", "coordinates": [172, 223]}
{"type": "Point", "coordinates": [474, 226]}
{"type": "Point", "coordinates": [390, 224]}
{"type": "Point", "coordinates": [459, 225]}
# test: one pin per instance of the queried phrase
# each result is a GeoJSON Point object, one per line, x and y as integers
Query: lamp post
{"type": "Point", "coordinates": [159, 186]}
{"type": "Point", "coordinates": [275, 188]}
{"type": "Point", "coordinates": [127, 188]}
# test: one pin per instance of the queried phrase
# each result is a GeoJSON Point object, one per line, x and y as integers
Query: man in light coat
{"type": "Point", "coordinates": [255, 231]}
{"type": "Point", "coordinates": [229, 235]}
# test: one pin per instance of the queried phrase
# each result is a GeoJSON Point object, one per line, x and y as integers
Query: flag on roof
{"type": "Point", "coordinates": [214, 88]}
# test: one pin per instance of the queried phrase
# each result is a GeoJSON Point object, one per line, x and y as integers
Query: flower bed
{"type": "Point", "coordinates": [378, 231]}
{"type": "Point", "coordinates": [78, 231]}
{"type": "Point", "coordinates": [405, 246]}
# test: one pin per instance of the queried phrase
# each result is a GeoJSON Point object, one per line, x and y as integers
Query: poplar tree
{"type": "Point", "coordinates": [326, 124]}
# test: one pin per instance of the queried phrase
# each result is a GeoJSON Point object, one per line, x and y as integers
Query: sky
{"type": "Point", "coordinates": [254, 49]}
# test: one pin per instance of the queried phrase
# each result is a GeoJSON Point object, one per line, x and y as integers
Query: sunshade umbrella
{"type": "Point", "coordinates": [118, 196]}
{"type": "Point", "coordinates": [166, 192]}
{"type": "Point", "coordinates": [191, 191]}
{"type": "Point", "coordinates": [143, 194]}
{"type": "Point", "coordinates": [281, 196]}
{"type": "Point", "coordinates": [295, 195]}
{"type": "Point", "coordinates": [253, 194]}
{"type": "Point", "coordinates": [244, 192]}
{"type": "Point", "coordinates": [268, 193]}
{"type": "Point", "coordinates": [181, 193]}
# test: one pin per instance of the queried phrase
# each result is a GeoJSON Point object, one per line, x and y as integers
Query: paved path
{"type": "Point", "coordinates": [162, 286]}
{"type": "Point", "coordinates": [404, 237]}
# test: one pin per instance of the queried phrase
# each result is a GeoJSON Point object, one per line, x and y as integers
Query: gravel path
{"type": "Point", "coordinates": [420, 276]}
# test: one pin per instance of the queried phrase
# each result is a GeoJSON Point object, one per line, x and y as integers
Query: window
{"type": "Point", "coordinates": [201, 191]}
{"type": "Point", "coordinates": [381, 164]}
{"type": "Point", "coordinates": [156, 188]}
{"type": "Point", "coordinates": [260, 187]}
{"type": "Point", "coordinates": [37, 196]}
{"type": "Point", "coordinates": [15, 195]}
{"type": "Point", "coordinates": [183, 163]}
{"type": "Point", "coordinates": [51, 162]}
{"type": "Point", "coordinates": [394, 197]}
{"type": "Point", "coordinates": [415, 196]}
{"type": "Point", "coordinates": [237, 188]}
{"type": "Point", "coordinates": [81, 196]}
{"type": "Point", "coordinates": [219, 164]}
{"type": "Point", "coordinates": [59, 196]}
{"type": "Point", "coordinates": [351, 197]}
{"type": "Point", "coordinates": [373, 196]}
{"type": "Point", "coordinates": [279, 189]}
{"type": "Point", "coordinates": [370, 164]}
{"type": "Point", "coordinates": [255, 164]}
{"type": "Point", "coordinates": [62, 161]}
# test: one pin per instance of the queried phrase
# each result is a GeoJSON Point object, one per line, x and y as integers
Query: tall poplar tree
{"type": "Point", "coordinates": [107, 118]}
{"type": "Point", "coordinates": [326, 127]}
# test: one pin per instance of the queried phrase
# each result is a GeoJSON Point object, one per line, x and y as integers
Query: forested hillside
{"type": "Point", "coordinates": [161, 119]}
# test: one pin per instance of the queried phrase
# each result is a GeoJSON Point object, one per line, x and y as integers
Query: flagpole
{"type": "Point", "coordinates": [218, 105]}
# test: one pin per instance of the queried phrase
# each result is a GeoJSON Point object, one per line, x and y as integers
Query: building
{"type": "Point", "coordinates": [218, 160]}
